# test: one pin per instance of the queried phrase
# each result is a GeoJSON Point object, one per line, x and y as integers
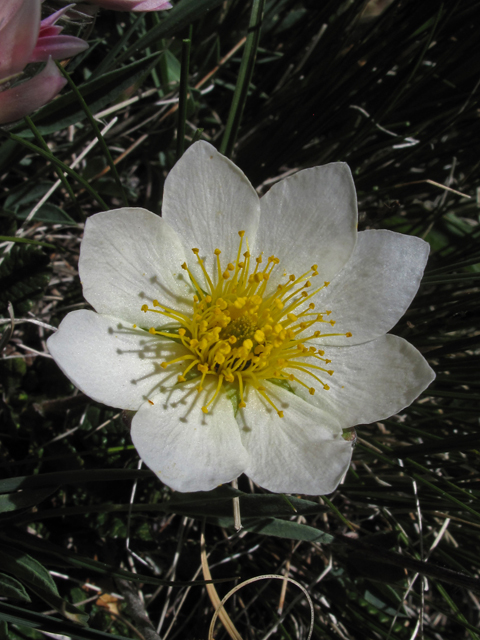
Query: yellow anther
{"type": "Point", "coordinates": [164, 365]}
{"type": "Point", "coordinates": [230, 267]}
{"type": "Point", "coordinates": [321, 353]}
{"type": "Point", "coordinates": [292, 317]}
{"type": "Point", "coordinates": [292, 278]}
{"type": "Point", "coordinates": [241, 233]}
{"type": "Point", "coordinates": [247, 254]}
{"type": "Point", "coordinates": [152, 331]}
{"type": "Point", "coordinates": [181, 332]}
{"type": "Point", "coordinates": [225, 275]}
{"type": "Point", "coordinates": [241, 404]}
{"type": "Point", "coordinates": [219, 358]}
{"type": "Point", "coordinates": [208, 299]}
{"type": "Point", "coordinates": [134, 326]}
{"type": "Point", "coordinates": [317, 334]}
{"type": "Point", "coordinates": [330, 373]}
{"type": "Point", "coordinates": [258, 277]}
{"type": "Point", "coordinates": [145, 308]}
{"type": "Point", "coordinates": [156, 303]}
{"type": "Point", "coordinates": [348, 334]}
{"type": "Point", "coordinates": [259, 260]}
{"type": "Point", "coordinates": [326, 387]}
{"type": "Point", "coordinates": [181, 379]}
{"type": "Point", "coordinates": [311, 391]}
{"type": "Point", "coordinates": [217, 252]}
{"type": "Point", "coordinates": [232, 339]}
{"type": "Point", "coordinates": [196, 251]}
{"type": "Point", "coordinates": [314, 267]}
{"type": "Point", "coordinates": [203, 368]}
{"type": "Point", "coordinates": [307, 284]}
{"type": "Point", "coordinates": [277, 328]}
{"type": "Point", "coordinates": [184, 266]}
{"type": "Point", "coordinates": [193, 343]}
{"type": "Point", "coordinates": [248, 344]}
{"type": "Point", "coordinates": [332, 322]}
{"type": "Point", "coordinates": [259, 335]}
{"type": "Point", "coordinates": [280, 414]}
{"type": "Point", "coordinates": [204, 409]}
{"type": "Point", "coordinates": [325, 284]}
{"type": "Point", "coordinates": [278, 303]}
{"type": "Point", "coordinates": [311, 306]}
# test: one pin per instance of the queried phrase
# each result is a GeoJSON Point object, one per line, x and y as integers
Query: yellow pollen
{"type": "Point", "coordinates": [243, 333]}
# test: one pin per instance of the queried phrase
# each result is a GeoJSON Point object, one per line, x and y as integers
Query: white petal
{"type": "Point", "coordinates": [376, 286]}
{"type": "Point", "coordinates": [109, 361]}
{"type": "Point", "coordinates": [128, 258]}
{"type": "Point", "coordinates": [188, 450]}
{"type": "Point", "coordinates": [208, 200]}
{"type": "Point", "coordinates": [310, 218]}
{"type": "Point", "coordinates": [303, 452]}
{"type": "Point", "coordinates": [371, 381]}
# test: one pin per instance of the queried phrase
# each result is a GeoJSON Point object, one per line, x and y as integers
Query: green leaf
{"type": "Point", "coordinates": [23, 277]}
{"type": "Point", "coordinates": [181, 16]}
{"type": "Point", "coordinates": [23, 499]}
{"type": "Point", "coordinates": [33, 620]}
{"type": "Point", "coordinates": [67, 610]}
{"type": "Point", "coordinates": [27, 241]}
{"type": "Point", "coordinates": [27, 569]}
{"type": "Point", "coordinates": [12, 588]}
{"type": "Point", "coordinates": [286, 529]}
{"type": "Point", "coordinates": [60, 478]}
{"type": "Point", "coordinates": [47, 213]}
{"type": "Point", "coordinates": [98, 94]}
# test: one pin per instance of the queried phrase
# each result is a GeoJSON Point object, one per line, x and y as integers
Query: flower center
{"type": "Point", "coordinates": [240, 334]}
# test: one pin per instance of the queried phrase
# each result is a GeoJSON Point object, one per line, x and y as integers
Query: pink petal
{"type": "Point", "coordinates": [19, 26]}
{"type": "Point", "coordinates": [54, 30]}
{"type": "Point", "coordinates": [133, 5]}
{"type": "Point", "coordinates": [52, 19]}
{"type": "Point", "coordinates": [59, 47]}
{"type": "Point", "coordinates": [25, 98]}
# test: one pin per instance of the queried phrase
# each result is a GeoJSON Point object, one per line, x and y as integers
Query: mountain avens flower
{"type": "Point", "coordinates": [247, 334]}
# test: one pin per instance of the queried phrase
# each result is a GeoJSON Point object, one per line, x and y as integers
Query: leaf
{"type": "Point", "coordinates": [27, 569]}
{"type": "Point", "coordinates": [67, 610]}
{"type": "Point", "coordinates": [47, 213]}
{"type": "Point", "coordinates": [60, 478]}
{"type": "Point", "coordinates": [181, 16]}
{"type": "Point", "coordinates": [23, 277]}
{"type": "Point", "coordinates": [12, 588]}
{"type": "Point", "coordinates": [98, 94]}
{"type": "Point", "coordinates": [23, 499]}
{"type": "Point", "coordinates": [286, 529]}
{"type": "Point", "coordinates": [27, 618]}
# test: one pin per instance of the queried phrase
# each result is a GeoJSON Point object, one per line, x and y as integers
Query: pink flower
{"type": "Point", "coordinates": [24, 39]}
{"type": "Point", "coordinates": [19, 101]}
{"type": "Point", "coordinates": [133, 5]}
{"type": "Point", "coordinates": [51, 43]}
{"type": "Point", "coordinates": [19, 27]}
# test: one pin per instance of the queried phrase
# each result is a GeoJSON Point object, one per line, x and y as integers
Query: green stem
{"type": "Point", "coordinates": [59, 173]}
{"type": "Point", "coordinates": [64, 167]}
{"type": "Point", "coordinates": [183, 94]}
{"type": "Point", "coordinates": [244, 78]}
{"type": "Point", "coordinates": [97, 131]}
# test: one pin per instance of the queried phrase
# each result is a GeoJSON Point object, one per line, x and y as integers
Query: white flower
{"type": "Point", "coordinates": [245, 333]}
